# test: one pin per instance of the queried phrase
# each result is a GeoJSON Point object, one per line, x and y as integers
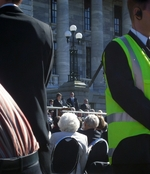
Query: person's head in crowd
{"type": "Point", "coordinates": [86, 101]}
{"type": "Point", "coordinates": [91, 122]}
{"type": "Point", "coordinates": [48, 112]}
{"type": "Point", "coordinates": [100, 111]}
{"type": "Point", "coordinates": [102, 123]}
{"type": "Point", "coordinates": [91, 110]}
{"type": "Point", "coordinates": [72, 95]}
{"type": "Point", "coordinates": [86, 114]}
{"type": "Point", "coordinates": [51, 101]}
{"type": "Point", "coordinates": [59, 96]}
{"type": "Point", "coordinates": [73, 108]}
{"type": "Point", "coordinates": [80, 114]}
{"type": "Point", "coordinates": [56, 120]}
{"type": "Point", "coordinates": [139, 11]}
{"type": "Point", "coordinates": [51, 112]}
{"type": "Point", "coordinates": [69, 123]}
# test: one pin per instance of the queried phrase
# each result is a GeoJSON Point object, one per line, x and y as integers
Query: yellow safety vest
{"type": "Point", "coordinates": [121, 125]}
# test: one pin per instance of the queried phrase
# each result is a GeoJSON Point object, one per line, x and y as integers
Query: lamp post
{"type": "Point", "coordinates": [71, 35]}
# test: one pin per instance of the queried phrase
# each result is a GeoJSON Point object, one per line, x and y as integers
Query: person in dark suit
{"type": "Point", "coordinates": [89, 128]}
{"type": "Point", "coordinates": [85, 106]}
{"type": "Point", "coordinates": [26, 58]}
{"type": "Point", "coordinates": [127, 71]}
{"type": "Point", "coordinates": [58, 102]}
{"type": "Point", "coordinates": [73, 101]}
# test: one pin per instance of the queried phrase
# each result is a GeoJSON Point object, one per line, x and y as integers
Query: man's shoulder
{"type": "Point", "coordinates": [114, 45]}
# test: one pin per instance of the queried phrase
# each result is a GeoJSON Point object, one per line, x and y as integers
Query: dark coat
{"type": "Point", "coordinates": [26, 57]}
{"type": "Point", "coordinates": [91, 134]}
{"type": "Point", "coordinates": [57, 103]}
{"type": "Point", "coordinates": [85, 107]}
{"type": "Point", "coordinates": [73, 103]}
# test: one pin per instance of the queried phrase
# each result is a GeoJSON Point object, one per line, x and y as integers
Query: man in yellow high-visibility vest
{"type": "Point", "coordinates": [126, 63]}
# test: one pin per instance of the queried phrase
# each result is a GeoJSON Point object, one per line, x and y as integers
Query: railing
{"type": "Point", "coordinates": [65, 109]}
{"type": "Point", "coordinates": [86, 81]}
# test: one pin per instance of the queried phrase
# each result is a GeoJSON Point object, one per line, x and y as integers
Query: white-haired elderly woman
{"type": "Point", "coordinates": [69, 124]}
{"type": "Point", "coordinates": [89, 128]}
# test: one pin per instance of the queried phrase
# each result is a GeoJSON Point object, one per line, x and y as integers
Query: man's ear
{"type": "Point", "coordinates": [137, 12]}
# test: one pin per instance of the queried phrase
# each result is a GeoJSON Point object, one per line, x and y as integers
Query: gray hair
{"type": "Point", "coordinates": [69, 122]}
{"type": "Point", "coordinates": [91, 121]}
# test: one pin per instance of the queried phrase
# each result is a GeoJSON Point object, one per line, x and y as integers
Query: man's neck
{"type": "Point", "coordinates": [139, 35]}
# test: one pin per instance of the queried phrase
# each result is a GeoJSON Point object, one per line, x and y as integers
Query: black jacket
{"type": "Point", "coordinates": [73, 103]}
{"type": "Point", "coordinates": [85, 107]}
{"type": "Point", "coordinates": [91, 134]}
{"type": "Point", "coordinates": [26, 57]}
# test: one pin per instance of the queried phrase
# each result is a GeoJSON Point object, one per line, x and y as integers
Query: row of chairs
{"type": "Point", "coordinates": [67, 163]}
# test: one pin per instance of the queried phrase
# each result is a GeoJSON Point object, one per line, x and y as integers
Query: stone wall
{"type": "Point", "coordinates": [41, 10]}
{"type": "Point", "coordinates": [27, 7]}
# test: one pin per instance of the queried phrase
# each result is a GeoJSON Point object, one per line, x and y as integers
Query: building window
{"type": "Point", "coordinates": [54, 64]}
{"type": "Point", "coordinates": [87, 14]}
{"type": "Point", "coordinates": [53, 11]}
{"type": "Point", "coordinates": [118, 20]}
{"type": "Point", "coordinates": [88, 62]}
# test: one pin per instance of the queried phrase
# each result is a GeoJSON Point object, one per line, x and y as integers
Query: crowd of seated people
{"type": "Point", "coordinates": [79, 125]}
{"type": "Point", "coordinates": [92, 127]}
{"type": "Point", "coordinates": [69, 125]}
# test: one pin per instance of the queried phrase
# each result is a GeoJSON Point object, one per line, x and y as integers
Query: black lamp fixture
{"type": "Point", "coordinates": [71, 35]}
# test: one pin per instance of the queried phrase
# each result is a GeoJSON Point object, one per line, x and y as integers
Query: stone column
{"type": "Point", "coordinates": [63, 62]}
{"type": "Point", "coordinates": [126, 22]}
{"type": "Point", "coordinates": [97, 42]}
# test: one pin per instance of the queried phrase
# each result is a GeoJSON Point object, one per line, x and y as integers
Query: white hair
{"type": "Point", "coordinates": [91, 120]}
{"type": "Point", "coordinates": [69, 122]}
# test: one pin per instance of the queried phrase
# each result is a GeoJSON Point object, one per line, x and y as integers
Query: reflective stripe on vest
{"type": "Point", "coordinates": [135, 65]}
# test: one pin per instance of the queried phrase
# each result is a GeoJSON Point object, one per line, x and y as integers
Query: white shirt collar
{"type": "Point", "coordinates": [9, 4]}
{"type": "Point", "coordinates": [140, 36]}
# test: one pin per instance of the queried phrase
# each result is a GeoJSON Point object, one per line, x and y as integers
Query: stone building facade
{"type": "Point", "coordinates": [99, 21]}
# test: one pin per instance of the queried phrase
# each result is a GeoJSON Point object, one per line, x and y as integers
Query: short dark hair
{"type": "Point", "coordinates": [58, 94]}
{"type": "Point", "coordinates": [136, 3]}
{"type": "Point", "coordinates": [51, 100]}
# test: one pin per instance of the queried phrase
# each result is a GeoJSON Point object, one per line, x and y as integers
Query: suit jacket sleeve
{"type": "Point", "coordinates": [122, 87]}
{"type": "Point", "coordinates": [48, 63]}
